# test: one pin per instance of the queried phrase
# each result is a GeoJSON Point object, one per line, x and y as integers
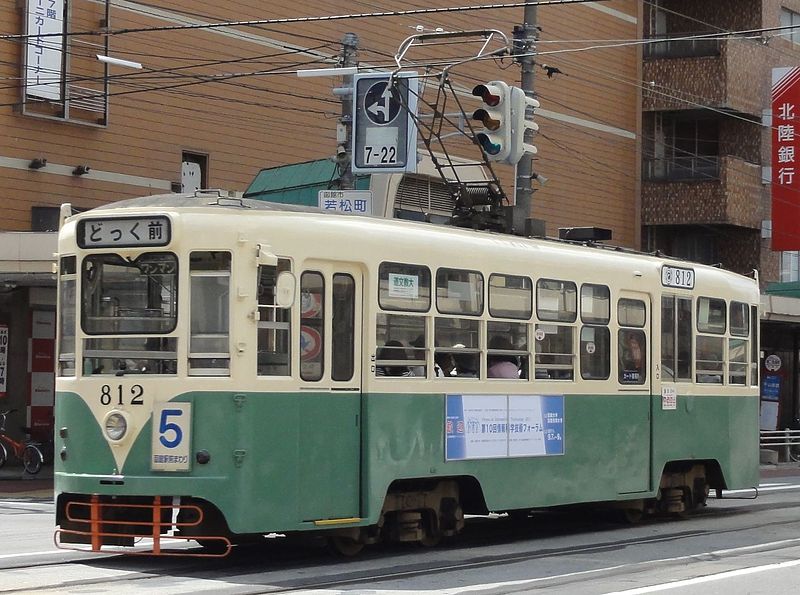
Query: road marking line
{"type": "Point", "coordinates": [29, 554]}
{"type": "Point", "coordinates": [708, 578]}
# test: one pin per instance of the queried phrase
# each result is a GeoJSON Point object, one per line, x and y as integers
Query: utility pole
{"type": "Point", "coordinates": [525, 37]}
{"type": "Point", "coordinates": [344, 131]}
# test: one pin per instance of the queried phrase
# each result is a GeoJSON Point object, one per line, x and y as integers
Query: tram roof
{"type": "Point", "coordinates": [221, 199]}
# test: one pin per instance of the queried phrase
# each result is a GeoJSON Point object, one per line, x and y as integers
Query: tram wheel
{"type": "Point", "coordinates": [632, 516]}
{"type": "Point", "coordinates": [344, 546]}
{"type": "Point", "coordinates": [431, 538]}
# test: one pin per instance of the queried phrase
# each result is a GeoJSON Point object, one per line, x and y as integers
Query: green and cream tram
{"type": "Point", "coordinates": [234, 368]}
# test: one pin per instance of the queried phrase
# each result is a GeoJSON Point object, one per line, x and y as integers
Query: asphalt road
{"type": "Point", "coordinates": [733, 546]}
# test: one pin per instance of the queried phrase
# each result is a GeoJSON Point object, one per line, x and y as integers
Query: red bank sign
{"type": "Point", "coordinates": [785, 159]}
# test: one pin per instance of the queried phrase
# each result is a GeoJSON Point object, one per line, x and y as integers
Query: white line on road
{"type": "Point", "coordinates": [30, 554]}
{"type": "Point", "coordinates": [525, 582]}
{"type": "Point", "coordinates": [707, 579]}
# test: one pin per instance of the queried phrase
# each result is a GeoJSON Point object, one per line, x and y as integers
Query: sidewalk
{"type": "Point", "coordinates": [15, 483]}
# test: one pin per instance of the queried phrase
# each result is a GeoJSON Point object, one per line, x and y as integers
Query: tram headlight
{"type": "Point", "coordinates": [116, 426]}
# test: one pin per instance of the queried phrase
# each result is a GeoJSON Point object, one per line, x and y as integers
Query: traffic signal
{"type": "Point", "coordinates": [519, 104]}
{"type": "Point", "coordinates": [495, 137]}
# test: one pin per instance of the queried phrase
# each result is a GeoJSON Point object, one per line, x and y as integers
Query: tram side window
{"type": "Point", "coordinates": [459, 292]}
{"type": "Point", "coordinates": [404, 287]}
{"type": "Point", "coordinates": [711, 319]}
{"type": "Point", "coordinates": [457, 351]}
{"type": "Point", "coordinates": [738, 354]}
{"type": "Point", "coordinates": [595, 340]}
{"type": "Point", "coordinates": [209, 345]}
{"type": "Point", "coordinates": [632, 342]}
{"type": "Point", "coordinates": [554, 352]}
{"type": "Point", "coordinates": [555, 301]}
{"type": "Point", "coordinates": [274, 324]}
{"type": "Point", "coordinates": [312, 325]}
{"type": "Point", "coordinates": [510, 296]}
{"type": "Point", "coordinates": [66, 316]}
{"type": "Point", "coordinates": [343, 327]}
{"type": "Point", "coordinates": [676, 338]}
{"type": "Point", "coordinates": [401, 346]}
{"type": "Point", "coordinates": [508, 355]}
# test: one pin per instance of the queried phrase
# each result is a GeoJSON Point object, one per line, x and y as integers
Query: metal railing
{"type": "Point", "coordinates": [786, 442]}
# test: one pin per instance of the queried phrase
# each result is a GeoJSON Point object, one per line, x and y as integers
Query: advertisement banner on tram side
{"type": "Point", "coordinates": [502, 426]}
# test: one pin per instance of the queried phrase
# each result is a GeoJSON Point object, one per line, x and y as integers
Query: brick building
{"type": "Point", "coordinates": [706, 137]}
{"type": "Point", "coordinates": [211, 106]}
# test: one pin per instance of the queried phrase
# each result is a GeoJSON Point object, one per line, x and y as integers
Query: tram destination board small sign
{"type": "Point", "coordinates": [677, 277]}
{"type": "Point", "coordinates": [124, 232]}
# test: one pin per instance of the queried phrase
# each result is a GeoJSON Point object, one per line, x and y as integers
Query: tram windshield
{"type": "Point", "coordinates": [137, 298]}
{"type": "Point", "coordinates": [126, 296]}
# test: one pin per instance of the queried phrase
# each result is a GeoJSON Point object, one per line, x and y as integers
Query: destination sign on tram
{"type": "Point", "coordinates": [127, 232]}
{"type": "Point", "coordinates": [677, 277]}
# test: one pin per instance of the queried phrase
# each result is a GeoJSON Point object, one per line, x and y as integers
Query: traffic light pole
{"type": "Point", "coordinates": [344, 132]}
{"type": "Point", "coordinates": [525, 37]}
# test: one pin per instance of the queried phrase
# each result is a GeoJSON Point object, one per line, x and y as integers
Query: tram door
{"type": "Point", "coordinates": [635, 366]}
{"type": "Point", "coordinates": [330, 399]}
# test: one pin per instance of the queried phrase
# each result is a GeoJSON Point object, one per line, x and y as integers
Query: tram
{"type": "Point", "coordinates": [230, 368]}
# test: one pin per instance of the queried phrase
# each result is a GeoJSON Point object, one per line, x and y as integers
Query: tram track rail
{"type": "Point", "coordinates": [483, 533]}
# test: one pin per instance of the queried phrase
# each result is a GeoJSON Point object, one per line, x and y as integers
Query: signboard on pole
{"type": "Point", "coordinates": [384, 134]}
{"type": "Point", "coordinates": [785, 159]}
{"type": "Point", "coordinates": [3, 358]}
{"type": "Point", "coordinates": [355, 202]}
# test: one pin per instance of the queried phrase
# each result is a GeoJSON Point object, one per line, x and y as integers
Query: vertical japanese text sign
{"type": "Point", "coordinates": [785, 155]}
{"type": "Point", "coordinates": [44, 49]}
{"type": "Point", "coordinates": [3, 358]}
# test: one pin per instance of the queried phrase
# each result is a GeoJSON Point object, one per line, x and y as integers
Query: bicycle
{"type": "Point", "coordinates": [29, 452]}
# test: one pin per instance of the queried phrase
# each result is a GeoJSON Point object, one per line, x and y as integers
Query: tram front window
{"type": "Point", "coordinates": [136, 298]}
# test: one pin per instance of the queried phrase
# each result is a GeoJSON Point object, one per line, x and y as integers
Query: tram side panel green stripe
{"type": "Point", "coordinates": [86, 448]}
{"type": "Point", "coordinates": [253, 447]}
{"type": "Point", "coordinates": [722, 428]}
{"type": "Point", "coordinates": [606, 452]}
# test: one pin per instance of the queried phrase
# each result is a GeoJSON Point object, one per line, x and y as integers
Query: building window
{"type": "Point", "coordinates": [789, 267]}
{"type": "Point", "coordinates": [683, 149]}
{"type": "Point", "coordinates": [194, 171]}
{"type": "Point", "coordinates": [789, 18]}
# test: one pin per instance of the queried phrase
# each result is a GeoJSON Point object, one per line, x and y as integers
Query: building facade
{"type": "Point", "coordinates": [183, 99]}
{"type": "Point", "coordinates": [707, 141]}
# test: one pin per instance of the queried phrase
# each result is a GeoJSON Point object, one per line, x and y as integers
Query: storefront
{"type": "Point", "coordinates": [27, 330]}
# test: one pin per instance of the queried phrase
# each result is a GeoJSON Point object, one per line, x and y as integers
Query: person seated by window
{"type": "Point", "coordinates": [501, 365]}
{"type": "Point", "coordinates": [632, 358]}
{"type": "Point", "coordinates": [443, 365]}
{"type": "Point", "coordinates": [466, 363]}
{"type": "Point", "coordinates": [393, 350]}
{"type": "Point", "coordinates": [418, 353]}
{"type": "Point", "coordinates": [632, 353]}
